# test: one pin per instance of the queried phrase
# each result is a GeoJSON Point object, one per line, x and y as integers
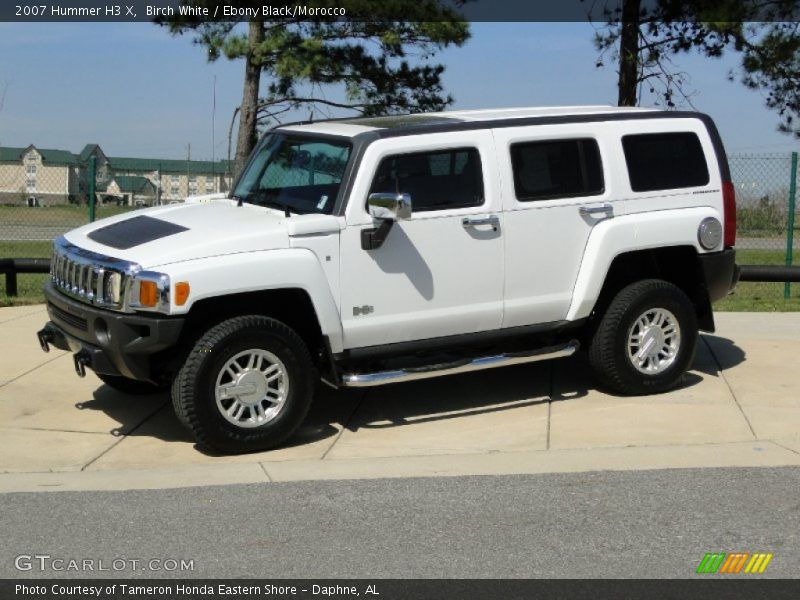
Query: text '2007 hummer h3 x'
{"type": "Point", "coordinates": [378, 250]}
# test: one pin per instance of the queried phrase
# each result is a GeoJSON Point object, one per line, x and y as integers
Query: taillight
{"type": "Point", "coordinates": [729, 208]}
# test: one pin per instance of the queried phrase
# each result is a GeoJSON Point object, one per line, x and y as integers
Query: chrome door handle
{"type": "Point", "coordinates": [606, 209]}
{"type": "Point", "coordinates": [492, 220]}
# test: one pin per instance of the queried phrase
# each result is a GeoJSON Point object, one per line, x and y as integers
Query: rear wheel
{"type": "Point", "coordinates": [246, 385]}
{"type": "Point", "coordinates": [646, 340]}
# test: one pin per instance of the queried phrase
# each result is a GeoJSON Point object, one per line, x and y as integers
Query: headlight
{"type": "Point", "coordinates": [112, 288]}
{"type": "Point", "coordinates": [709, 234]}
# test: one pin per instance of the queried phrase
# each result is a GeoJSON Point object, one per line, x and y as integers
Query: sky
{"type": "Point", "coordinates": [138, 91]}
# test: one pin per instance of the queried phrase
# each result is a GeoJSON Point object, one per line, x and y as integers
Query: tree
{"type": "Point", "coordinates": [642, 36]}
{"type": "Point", "coordinates": [367, 54]}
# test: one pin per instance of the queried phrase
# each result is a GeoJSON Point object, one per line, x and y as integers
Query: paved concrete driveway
{"type": "Point", "coordinates": [739, 406]}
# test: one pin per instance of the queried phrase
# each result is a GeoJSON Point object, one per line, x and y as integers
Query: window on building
{"type": "Point", "coordinates": [436, 180]}
{"type": "Point", "coordinates": [174, 179]}
{"type": "Point", "coordinates": [31, 184]}
{"type": "Point", "coordinates": [209, 187]}
{"type": "Point", "coordinates": [174, 191]}
{"type": "Point", "coordinates": [31, 157]}
{"type": "Point", "coordinates": [30, 169]}
{"type": "Point", "coordinates": [664, 161]}
{"type": "Point", "coordinates": [556, 169]}
{"type": "Point", "coordinates": [192, 178]}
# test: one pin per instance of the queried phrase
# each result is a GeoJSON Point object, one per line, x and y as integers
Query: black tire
{"type": "Point", "coordinates": [176, 405]}
{"type": "Point", "coordinates": [131, 386]}
{"type": "Point", "coordinates": [608, 350]}
{"type": "Point", "coordinates": [194, 387]}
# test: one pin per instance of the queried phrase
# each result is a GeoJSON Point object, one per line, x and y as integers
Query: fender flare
{"type": "Point", "coordinates": [286, 268]}
{"type": "Point", "coordinates": [629, 233]}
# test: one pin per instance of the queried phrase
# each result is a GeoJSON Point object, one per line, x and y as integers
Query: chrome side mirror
{"type": "Point", "coordinates": [388, 206]}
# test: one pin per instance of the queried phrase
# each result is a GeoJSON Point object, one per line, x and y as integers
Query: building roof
{"type": "Point", "coordinates": [352, 127]}
{"type": "Point", "coordinates": [149, 165]}
{"type": "Point", "coordinates": [87, 151]}
{"type": "Point", "coordinates": [53, 157]}
{"type": "Point", "coordinates": [141, 165]}
{"type": "Point", "coordinates": [132, 183]}
{"type": "Point", "coordinates": [8, 154]}
{"type": "Point", "coordinates": [58, 157]}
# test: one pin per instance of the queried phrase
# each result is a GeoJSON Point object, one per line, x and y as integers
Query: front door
{"type": "Point", "coordinates": [440, 272]}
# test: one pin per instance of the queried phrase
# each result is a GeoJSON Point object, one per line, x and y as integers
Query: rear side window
{"type": "Point", "coordinates": [664, 161]}
{"type": "Point", "coordinates": [556, 169]}
{"type": "Point", "coordinates": [435, 180]}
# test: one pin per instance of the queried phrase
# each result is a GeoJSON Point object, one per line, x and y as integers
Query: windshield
{"type": "Point", "coordinates": [296, 173]}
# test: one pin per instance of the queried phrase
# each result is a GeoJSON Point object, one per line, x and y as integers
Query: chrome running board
{"type": "Point", "coordinates": [459, 366]}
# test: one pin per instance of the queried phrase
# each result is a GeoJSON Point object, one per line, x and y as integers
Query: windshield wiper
{"type": "Point", "coordinates": [287, 212]}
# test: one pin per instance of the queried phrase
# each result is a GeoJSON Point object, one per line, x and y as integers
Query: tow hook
{"type": "Point", "coordinates": [45, 339]}
{"type": "Point", "coordinates": [81, 360]}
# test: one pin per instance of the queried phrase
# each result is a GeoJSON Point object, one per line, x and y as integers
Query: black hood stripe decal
{"type": "Point", "coordinates": [133, 232]}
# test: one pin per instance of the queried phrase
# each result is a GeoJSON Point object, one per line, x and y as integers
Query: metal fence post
{"type": "Point", "coordinates": [90, 176]}
{"type": "Point", "coordinates": [790, 222]}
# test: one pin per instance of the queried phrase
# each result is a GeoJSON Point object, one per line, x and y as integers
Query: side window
{"type": "Point", "coordinates": [664, 161]}
{"type": "Point", "coordinates": [435, 180]}
{"type": "Point", "coordinates": [556, 169]}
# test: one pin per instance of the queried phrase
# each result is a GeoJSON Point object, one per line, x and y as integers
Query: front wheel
{"type": "Point", "coordinates": [646, 340]}
{"type": "Point", "coordinates": [246, 385]}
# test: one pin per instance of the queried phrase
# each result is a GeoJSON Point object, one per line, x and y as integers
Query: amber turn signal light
{"type": "Point", "coordinates": [181, 293]}
{"type": "Point", "coordinates": [148, 293]}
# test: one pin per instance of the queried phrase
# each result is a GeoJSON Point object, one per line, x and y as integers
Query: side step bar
{"type": "Point", "coordinates": [460, 366]}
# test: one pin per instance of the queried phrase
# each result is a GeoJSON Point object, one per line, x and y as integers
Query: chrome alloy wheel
{"type": "Point", "coordinates": [251, 388]}
{"type": "Point", "coordinates": [654, 340]}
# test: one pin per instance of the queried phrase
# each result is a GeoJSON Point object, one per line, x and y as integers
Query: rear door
{"type": "Point", "coordinates": [557, 186]}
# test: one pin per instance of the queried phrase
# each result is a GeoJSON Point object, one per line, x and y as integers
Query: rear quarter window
{"type": "Point", "coordinates": [664, 161]}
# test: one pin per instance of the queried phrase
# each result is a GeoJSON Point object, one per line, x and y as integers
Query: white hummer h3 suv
{"type": "Point", "coordinates": [377, 250]}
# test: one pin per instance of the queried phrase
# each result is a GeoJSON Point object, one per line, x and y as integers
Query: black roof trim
{"type": "Point", "coordinates": [558, 120]}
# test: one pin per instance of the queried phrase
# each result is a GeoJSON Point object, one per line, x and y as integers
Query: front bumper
{"type": "Point", "coordinates": [107, 342]}
{"type": "Point", "coordinates": [721, 273]}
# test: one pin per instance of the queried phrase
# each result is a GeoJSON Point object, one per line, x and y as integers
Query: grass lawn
{"type": "Point", "coordinates": [764, 297]}
{"type": "Point", "coordinates": [30, 285]}
{"type": "Point", "coordinates": [68, 215]}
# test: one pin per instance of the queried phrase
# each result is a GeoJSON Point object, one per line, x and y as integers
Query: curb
{"type": "Point", "coordinates": [740, 454]}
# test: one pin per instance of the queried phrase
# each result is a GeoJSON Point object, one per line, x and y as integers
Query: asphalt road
{"type": "Point", "coordinates": [603, 524]}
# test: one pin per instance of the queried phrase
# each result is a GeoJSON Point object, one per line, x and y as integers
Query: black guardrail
{"type": "Point", "coordinates": [12, 266]}
{"type": "Point", "coordinates": [769, 273]}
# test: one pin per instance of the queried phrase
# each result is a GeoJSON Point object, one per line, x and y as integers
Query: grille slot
{"type": "Point", "coordinates": [65, 317]}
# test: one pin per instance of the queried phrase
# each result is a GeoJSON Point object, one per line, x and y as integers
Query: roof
{"type": "Point", "coordinates": [167, 165]}
{"type": "Point", "coordinates": [8, 154]}
{"type": "Point", "coordinates": [49, 156]}
{"type": "Point", "coordinates": [58, 157]}
{"type": "Point", "coordinates": [141, 165]}
{"type": "Point", "coordinates": [131, 183]}
{"type": "Point", "coordinates": [421, 121]}
{"type": "Point", "coordinates": [87, 151]}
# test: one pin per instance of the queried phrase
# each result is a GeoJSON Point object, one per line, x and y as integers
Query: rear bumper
{"type": "Point", "coordinates": [721, 273]}
{"type": "Point", "coordinates": [109, 343]}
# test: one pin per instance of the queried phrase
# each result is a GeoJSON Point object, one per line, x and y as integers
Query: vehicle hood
{"type": "Point", "coordinates": [179, 232]}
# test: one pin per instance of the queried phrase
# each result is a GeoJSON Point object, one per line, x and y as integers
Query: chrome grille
{"type": "Point", "coordinates": [90, 277]}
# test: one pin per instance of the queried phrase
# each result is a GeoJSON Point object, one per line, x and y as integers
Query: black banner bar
{"type": "Point", "coordinates": [277, 10]}
{"type": "Point", "coordinates": [733, 588]}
